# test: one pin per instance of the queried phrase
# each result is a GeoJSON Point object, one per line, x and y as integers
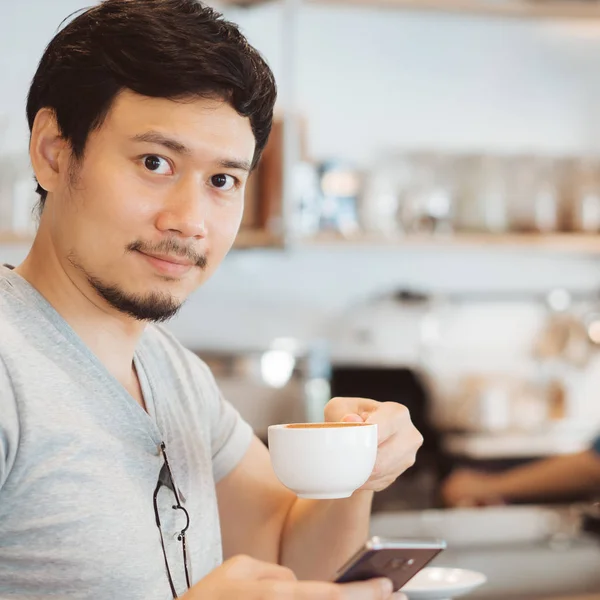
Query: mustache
{"type": "Point", "coordinates": [172, 247]}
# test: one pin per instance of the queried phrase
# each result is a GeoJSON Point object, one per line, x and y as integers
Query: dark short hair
{"type": "Point", "coordinates": [176, 49]}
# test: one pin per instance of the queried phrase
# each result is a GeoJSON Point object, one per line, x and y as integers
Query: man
{"type": "Point", "coordinates": [550, 478]}
{"type": "Point", "coordinates": [123, 473]}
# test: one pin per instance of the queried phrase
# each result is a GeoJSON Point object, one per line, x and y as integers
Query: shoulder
{"type": "Point", "coordinates": [17, 326]}
{"type": "Point", "coordinates": [8, 304]}
{"type": "Point", "coordinates": [6, 384]}
{"type": "Point", "coordinates": [20, 317]}
{"type": "Point", "coordinates": [9, 423]}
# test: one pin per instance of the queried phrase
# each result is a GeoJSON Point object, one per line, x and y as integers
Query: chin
{"type": "Point", "coordinates": [179, 288]}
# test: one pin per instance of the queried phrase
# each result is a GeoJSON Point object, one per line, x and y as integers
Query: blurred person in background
{"type": "Point", "coordinates": [146, 119]}
{"type": "Point", "coordinates": [553, 478]}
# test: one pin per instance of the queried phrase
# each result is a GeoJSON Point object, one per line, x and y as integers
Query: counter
{"type": "Point", "coordinates": [543, 570]}
{"type": "Point", "coordinates": [522, 559]}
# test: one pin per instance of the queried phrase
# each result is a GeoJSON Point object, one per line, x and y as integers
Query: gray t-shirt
{"type": "Point", "coordinates": [80, 460]}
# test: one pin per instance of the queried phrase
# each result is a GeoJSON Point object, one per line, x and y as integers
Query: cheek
{"type": "Point", "coordinates": [225, 225]}
{"type": "Point", "coordinates": [119, 196]}
{"type": "Point", "coordinates": [115, 208]}
{"type": "Point", "coordinates": [106, 209]}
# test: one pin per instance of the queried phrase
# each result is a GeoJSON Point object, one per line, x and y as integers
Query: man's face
{"type": "Point", "coordinates": [155, 204]}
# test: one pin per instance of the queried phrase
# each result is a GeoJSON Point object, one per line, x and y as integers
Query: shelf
{"type": "Point", "coordinates": [251, 238]}
{"type": "Point", "coordinates": [527, 9]}
{"type": "Point", "coordinates": [12, 238]}
{"type": "Point", "coordinates": [560, 242]}
{"type": "Point", "coordinates": [245, 239]}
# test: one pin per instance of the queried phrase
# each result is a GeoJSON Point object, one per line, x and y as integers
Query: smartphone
{"type": "Point", "coordinates": [398, 560]}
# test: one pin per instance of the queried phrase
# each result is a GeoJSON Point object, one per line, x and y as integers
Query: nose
{"type": "Point", "coordinates": [185, 211]}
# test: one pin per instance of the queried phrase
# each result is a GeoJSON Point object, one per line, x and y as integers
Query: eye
{"type": "Point", "coordinates": [157, 164]}
{"type": "Point", "coordinates": [223, 182]}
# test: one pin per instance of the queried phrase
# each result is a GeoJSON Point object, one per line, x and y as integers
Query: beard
{"type": "Point", "coordinates": [155, 307]}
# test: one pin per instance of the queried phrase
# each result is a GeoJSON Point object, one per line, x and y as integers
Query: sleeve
{"type": "Point", "coordinates": [231, 438]}
{"type": "Point", "coordinates": [9, 425]}
{"type": "Point", "coordinates": [596, 445]}
{"type": "Point", "coordinates": [230, 434]}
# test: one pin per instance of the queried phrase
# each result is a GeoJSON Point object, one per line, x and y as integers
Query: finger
{"type": "Point", "coordinates": [396, 455]}
{"type": "Point", "coordinates": [337, 408]}
{"type": "Point", "coordinates": [390, 418]}
{"type": "Point", "coordinates": [374, 589]}
{"type": "Point", "coordinates": [248, 568]}
{"type": "Point", "coordinates": [399, 596]}
{"type": "Point", "coordinates": [352, 418]}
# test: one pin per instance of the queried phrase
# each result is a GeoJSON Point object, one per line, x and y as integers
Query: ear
{"type": "Point", "coordinates": [48, 151]}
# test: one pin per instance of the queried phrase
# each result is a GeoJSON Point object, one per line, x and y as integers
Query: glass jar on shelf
{"type": "Point", "coordinates": [380, 198]}
{"type": "Point", "coordinates": [482, 194]}
{"type": "Point", "coordinates": [584, 195]}
{"type": "Point", "coordinates": [427, 201]}
{"type": "Point", "coordinates": [547, 195]}
{"type": "Point", "coordinates": [534, 194]}
{"type": "Point", "coordinates": [340, 184]}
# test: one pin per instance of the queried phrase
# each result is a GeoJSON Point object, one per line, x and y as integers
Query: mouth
{"type": "Point", "coordinates": [172, 266]}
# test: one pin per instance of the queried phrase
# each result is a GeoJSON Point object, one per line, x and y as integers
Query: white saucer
{"type": "Point", "coordinates": [438, 583]}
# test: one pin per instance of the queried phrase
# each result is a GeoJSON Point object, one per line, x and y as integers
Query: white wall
{"type": "Point", "coordinates": [373, 79]}
{"type": "Point", "coordinates": [370, 80]}
{"type": "Point", "coordinates": [26, 27]}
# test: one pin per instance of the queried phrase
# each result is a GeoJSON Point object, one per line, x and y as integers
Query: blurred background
{"type": "Point", "coordinates": [424, 228]}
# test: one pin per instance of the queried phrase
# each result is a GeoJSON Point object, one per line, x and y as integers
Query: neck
{"type": "Point", "coordinates": [110, 335]}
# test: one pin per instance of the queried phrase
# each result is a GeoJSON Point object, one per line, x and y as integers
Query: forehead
{"type": "Point", "coordinates": [204, 125]}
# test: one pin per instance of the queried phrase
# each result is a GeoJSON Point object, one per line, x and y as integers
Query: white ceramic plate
{"type": "Point", "coordinates": [438, 583]}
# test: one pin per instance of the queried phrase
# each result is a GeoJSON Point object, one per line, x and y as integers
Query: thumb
{"type": "Point", "coordinates": [374, 589]}
{"type": "Point", "coordinates": [352, 418]}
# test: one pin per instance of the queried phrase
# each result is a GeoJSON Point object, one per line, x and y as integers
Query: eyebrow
{"type": "Point", "coordinates": [242, 165]}
{"type": "Point", "coordinates": [154, 137]}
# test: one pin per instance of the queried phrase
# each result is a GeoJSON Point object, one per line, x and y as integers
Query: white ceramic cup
{"type": "Point", "coordinates": [323, 460]}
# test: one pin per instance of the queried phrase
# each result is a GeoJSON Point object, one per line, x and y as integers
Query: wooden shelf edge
{"type": "Point", "coordinates": [559, 242]}
{"type": "Point", "coordinates": [520, 9]}
{"type": "Point", "coordinates": [12, 238]}
{"type": "Point", "coordinates": [250, 238]}
{"type": "Point", "coordinates": [245, 239]}
{"type": "Point", "coordinates": [533, 9]}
